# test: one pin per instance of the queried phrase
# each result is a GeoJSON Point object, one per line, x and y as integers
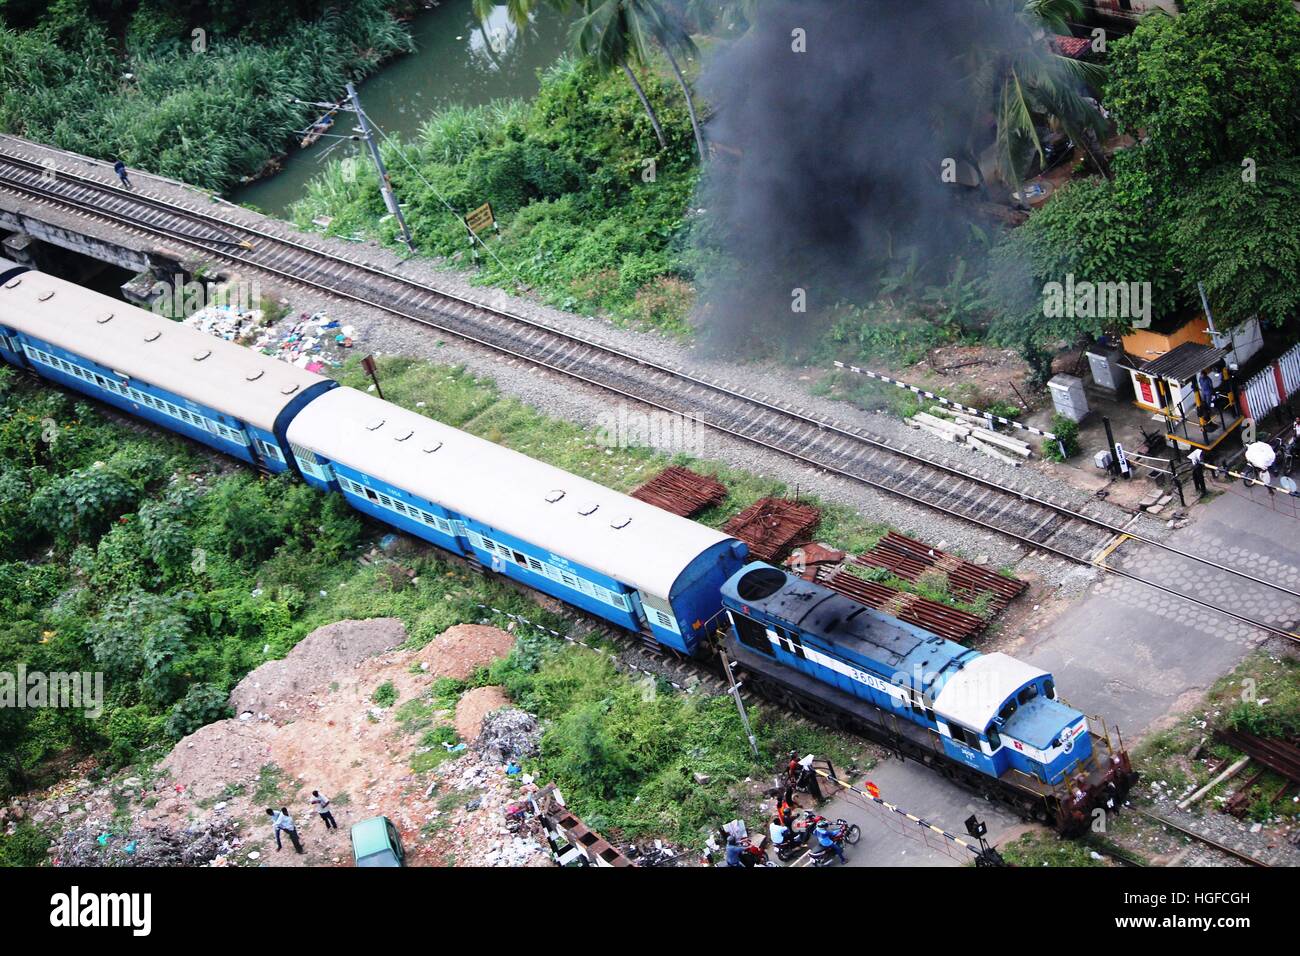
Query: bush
{"type": "Point", "coordinates": [385, 695]}
{"type": "Point", "coordinates": [1067, 432]}
{"type": "Point", "coordinates": [26, 847]}
{"type": "Point", "coordinates": [202, 704]}
{"type": "Point", "coordinates": [81, 504]}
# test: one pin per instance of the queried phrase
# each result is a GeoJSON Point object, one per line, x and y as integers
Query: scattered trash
{"type": "Point", "coordinates": [154, 846]}
{"type": "Point", "coordinates": [300, 343]}
{"type": "Point", "coordinates": [228, 322]}
{"type": "Point", "coordinates": [510, 734]}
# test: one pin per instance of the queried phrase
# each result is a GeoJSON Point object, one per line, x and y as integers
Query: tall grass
{"type": "Point", "coordinates": [208, 118]}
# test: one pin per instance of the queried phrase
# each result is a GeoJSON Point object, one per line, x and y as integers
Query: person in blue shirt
{"type": "Point", "coordinates": [830, 841]}
{"type": "Point", "coordinates": [733, 852]}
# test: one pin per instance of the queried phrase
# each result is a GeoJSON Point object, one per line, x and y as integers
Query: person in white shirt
{"type": "Point", "coordinates": [282, 822]}
{"type": "Point", "coordinates": [322, 805]}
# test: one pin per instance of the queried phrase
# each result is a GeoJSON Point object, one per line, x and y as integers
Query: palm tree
{"type": "Point", "coordinates": [1025, 79]}
{"type": "Point", "coordinates": [519, 12]}
{"type": "Point", "coordinates": [620, 34]}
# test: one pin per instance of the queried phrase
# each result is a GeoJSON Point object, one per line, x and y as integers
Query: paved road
{"type": "Point", "coordinates": [1123, 651]}
{"type": "Point", "coordinates": [891, 840]}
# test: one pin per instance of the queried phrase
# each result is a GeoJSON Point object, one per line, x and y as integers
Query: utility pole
{"type": "Point", "coordinates": [740, 703]}
{"type": "Point", "coordinates": [385, 185]}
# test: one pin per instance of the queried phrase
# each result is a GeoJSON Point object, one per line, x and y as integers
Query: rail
{"type": "Point", "coordinates": [828, 446]}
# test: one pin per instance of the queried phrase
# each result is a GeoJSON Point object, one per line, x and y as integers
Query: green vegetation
{"type": "Point", "coordinates": [385, 695]}
{"type": "Point", "coordinates": [1261, 696]}
{"type": "Point", "coordinates": [636, 758]}
{"type": "Point", "coordinates": [1048, 849]}
{"type": "Point", "coordinates": [197, 91]}
{"type": "Point", "coordinates": [592, 212]}
{"type": "Point", "coordinates": [1206, 196]}
{"type": "Point", "coordinates": [1066, 431]}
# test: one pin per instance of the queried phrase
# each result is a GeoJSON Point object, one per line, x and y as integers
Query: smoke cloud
{"type": "Point", "coordinates": [833, 121]}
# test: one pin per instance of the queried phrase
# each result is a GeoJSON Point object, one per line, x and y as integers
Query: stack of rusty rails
{"type": "Point", "coordinates": [773, 526]}
{"type": "Point", "coordinates": [1278, 755]}
{"type": "Point", "coordinates": [948, 622]}
{"type": "Point", "coordinates": [910, 559]}
{"type": "Point", "coordinates": [683, 492]}
{"type": "Point", "coordinates": [1240, 802]}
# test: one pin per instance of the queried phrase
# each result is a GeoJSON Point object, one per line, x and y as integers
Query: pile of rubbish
{"type": "Point", "coordinates": [509, 735]}
{"type": "Point", "coordinates": [300, 343]}
{"type": "Point", "coordinates": [229, 322]}
{"type": "Point", "coordinates": [208, 844]}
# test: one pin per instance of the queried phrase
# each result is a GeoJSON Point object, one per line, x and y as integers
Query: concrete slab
{"type": "Point", "coordinates": [1136, 655]}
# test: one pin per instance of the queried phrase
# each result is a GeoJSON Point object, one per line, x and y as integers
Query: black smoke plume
{"type": "Point", "coordinates": [827, 171]}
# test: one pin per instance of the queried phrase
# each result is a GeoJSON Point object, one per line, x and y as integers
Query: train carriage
{"type": "Point", "coordinates": [228, 397]}
{"type": "Point", "coordinates": [628, 562]}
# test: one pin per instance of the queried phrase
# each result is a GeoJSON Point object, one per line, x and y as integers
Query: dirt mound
{"type": "Point", "coordinates": [474, 706]}
{"type": "Point", "coordinates": [224, 753]}
{"type": "Point", "coordinates": [317, 660]}
{"type": "Point", "coordinates": [459, 650]}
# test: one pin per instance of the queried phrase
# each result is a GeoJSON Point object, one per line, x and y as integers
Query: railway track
{"type": "Point", "coordinates": [1080, 535]}
{"type": "Point", "coordinates": [1202, 838]}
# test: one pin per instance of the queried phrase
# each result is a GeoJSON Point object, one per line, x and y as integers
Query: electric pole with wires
{"type": "Point", "coordinates": [385, 184]}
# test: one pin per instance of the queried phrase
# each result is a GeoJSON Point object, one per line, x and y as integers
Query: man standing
{"type": "Point", "coordinates": [119, 167]}
{"type": "Point", "coordinates": [283, 822]}
{"type": "Point", "coordinates": [322, 805]}
{"type": "Point", "coordinates": [1197, 458]}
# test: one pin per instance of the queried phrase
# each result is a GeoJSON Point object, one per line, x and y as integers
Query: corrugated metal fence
{"type": "Point", "coordinates": [1272, 386]}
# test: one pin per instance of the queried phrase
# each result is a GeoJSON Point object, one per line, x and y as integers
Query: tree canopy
{"type": "Point", "coordinates": [1219, 83]}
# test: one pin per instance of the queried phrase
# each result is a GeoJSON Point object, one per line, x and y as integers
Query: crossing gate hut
{"type": "Point", "coordinates": [1192, 389]}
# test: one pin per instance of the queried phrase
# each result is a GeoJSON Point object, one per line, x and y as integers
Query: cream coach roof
{"type": "Point", "coordinates": [504, 489]}
{"type": "Point", "coordinates": [237, 380]}
{"type": "Point", "coordinates": [974, 695]}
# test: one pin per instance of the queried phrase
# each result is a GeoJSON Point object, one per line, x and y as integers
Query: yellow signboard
{"type": "Point", "coordinates": [481, 218]}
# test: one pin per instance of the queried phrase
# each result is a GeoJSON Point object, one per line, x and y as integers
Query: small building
{"type": "Point", "coordinates": [1191, 388]}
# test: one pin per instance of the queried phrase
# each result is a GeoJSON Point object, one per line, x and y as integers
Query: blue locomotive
{"type": "Point", "coordinates": [987, 720]}
{"type": "Point", "coordinates": [983, 717]}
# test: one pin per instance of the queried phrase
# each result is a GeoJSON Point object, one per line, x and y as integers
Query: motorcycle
{"type": "Point", "coordinates": [755, 855]}
{"type": "Point", "coordinates": [797, 841]}
{"type": "Point", "coordinates": [843, 832]}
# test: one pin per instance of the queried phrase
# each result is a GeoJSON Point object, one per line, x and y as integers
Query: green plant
{"type": "Point", "coordinates": [1067, 433]}
{"type": "Point", "coordinates": [385, 695]}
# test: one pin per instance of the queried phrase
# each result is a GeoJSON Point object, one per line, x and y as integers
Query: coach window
{"type": "Point", "coordinates": [1028, 694]}
{"type": "Point", "coordinates": [995, 740]}
{"type": "Point", "coordinates": [958, 734]}
{"type": "Point", "coordinates": [752, 634]}
{"type": "Point", "coordinates": [1049, 689]}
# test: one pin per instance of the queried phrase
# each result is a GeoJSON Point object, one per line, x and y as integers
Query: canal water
{"type": "Point", "coordinates": [457, 61]}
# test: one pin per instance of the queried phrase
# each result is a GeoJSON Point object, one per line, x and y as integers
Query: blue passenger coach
{"type": "Point", "coordinates": [633, 564]}
{"type": "Point", "coordinates": [231, 398]}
